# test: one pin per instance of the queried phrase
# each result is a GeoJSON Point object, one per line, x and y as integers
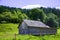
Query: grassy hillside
{"type": "Point", "coordinates": [9, 28]}
{"type": "Point", "coordinates": [9, 31]}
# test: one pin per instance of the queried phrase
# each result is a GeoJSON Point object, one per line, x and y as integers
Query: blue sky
{"type": "Point", "coordinates": [23, 3]}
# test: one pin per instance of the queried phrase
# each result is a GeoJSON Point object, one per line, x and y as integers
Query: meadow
{"type": "Point", "coordinates": [9, 31]}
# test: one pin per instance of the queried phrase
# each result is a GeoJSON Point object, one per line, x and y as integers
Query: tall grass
{"type": "Point", "coordinates": [9, 28]}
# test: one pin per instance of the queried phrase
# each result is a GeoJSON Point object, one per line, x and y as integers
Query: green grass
{"type": "Point", "coordinates": [10, 32]}
{"type": "Point", "coordinates": [9, 28]}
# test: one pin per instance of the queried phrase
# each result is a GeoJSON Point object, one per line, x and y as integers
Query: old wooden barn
{"type": "Point", "coordinates": [35, 28]}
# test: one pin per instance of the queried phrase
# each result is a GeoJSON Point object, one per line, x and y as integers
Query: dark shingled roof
{"type": "Point", "coordinates": [32, 23]}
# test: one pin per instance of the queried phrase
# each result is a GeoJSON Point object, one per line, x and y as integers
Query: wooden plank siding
{"type": "Point", "coordinates": [23, 28]}
{"type": "Point", "coordinates": [41, 31]}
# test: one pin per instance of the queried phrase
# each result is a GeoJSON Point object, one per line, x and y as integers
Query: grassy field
{"type": "Point", "coordinates": [10, 32]}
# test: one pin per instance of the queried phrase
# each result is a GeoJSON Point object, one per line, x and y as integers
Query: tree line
{"type": "Point", "coordinates": [50, 16]}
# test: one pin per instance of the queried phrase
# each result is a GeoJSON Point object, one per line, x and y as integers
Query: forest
{"type": "Point", "coordinates": [49, 16]}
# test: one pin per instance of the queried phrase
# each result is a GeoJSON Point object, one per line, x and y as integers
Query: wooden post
{"type": "Point", "coordinates": [40, 33]}
{"type": "Point", "coordinates": [14, 37]}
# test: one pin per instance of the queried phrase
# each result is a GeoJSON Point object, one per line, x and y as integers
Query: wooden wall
{"type": "Point", "coordinates": [41, 31]}
{"type": "Point", "coordinates": [23, 28]}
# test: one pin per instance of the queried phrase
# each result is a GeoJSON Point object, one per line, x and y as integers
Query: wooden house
{"type": "Point", "coordinates": [35, 28]}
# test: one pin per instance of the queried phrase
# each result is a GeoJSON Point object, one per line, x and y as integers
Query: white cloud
{"type": "Point", "coordinates": [32, 6]}
{"type": "Point", "coordinates": [57, 7]}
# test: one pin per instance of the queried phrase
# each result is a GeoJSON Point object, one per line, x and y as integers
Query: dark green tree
{"type": "Point", "coordinates": [52, 23]}
{"type": "Point", "coordinates": [37, 14]}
